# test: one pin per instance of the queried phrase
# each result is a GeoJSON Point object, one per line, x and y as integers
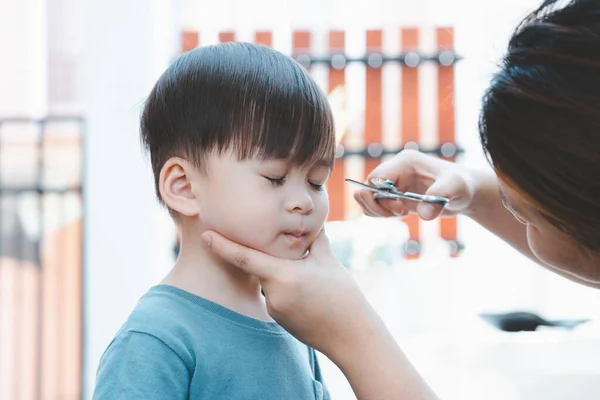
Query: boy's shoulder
{"type": "Point", "coordinates": [164, 316]}
{"type": "Point", "coordinates": [183, 320]}
{"type": "Point", "coordinates": [157, 312]}
{"type": "Point", "coordinates": [156, 339]}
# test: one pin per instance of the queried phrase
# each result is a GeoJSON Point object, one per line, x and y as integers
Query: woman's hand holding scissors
{"type": "Point", "coordinates": [411, 171]}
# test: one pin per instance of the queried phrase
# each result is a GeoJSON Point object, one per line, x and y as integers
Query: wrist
{"type": "Point", "coordinates": [365, 330]}
{"type": "Point", "coordinates": [485, 191]}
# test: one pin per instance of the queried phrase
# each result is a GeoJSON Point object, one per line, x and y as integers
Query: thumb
{"type": "Point", "coordinates": [320, 246]}
{"type": "Point", "coordinates": [445, 186]}
{"type": "Point", "coordinates": [251, 261]}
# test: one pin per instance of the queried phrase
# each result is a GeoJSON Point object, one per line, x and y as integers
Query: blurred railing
{"type": "Point", "coordinates": [41, 253]}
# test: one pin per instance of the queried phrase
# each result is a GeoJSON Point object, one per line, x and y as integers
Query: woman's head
{"type": "Point", "coordinates": [540, 126]}
{"type": "Point", "coordinates": [241, 141]}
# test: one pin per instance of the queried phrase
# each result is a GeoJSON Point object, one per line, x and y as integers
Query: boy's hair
{"type": "Point", "coordinates": [243, 96]}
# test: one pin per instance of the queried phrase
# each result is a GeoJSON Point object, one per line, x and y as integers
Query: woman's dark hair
{"type": "Point", "coordinates": [243, 96]}
{"type": "Point", "coordinates": [540, 122]}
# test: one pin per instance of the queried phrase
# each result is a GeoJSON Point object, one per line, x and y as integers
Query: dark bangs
{"type": "Point", "coordinates": [279, 112]}
{"type": "Point", "coordinates": [243, 96]}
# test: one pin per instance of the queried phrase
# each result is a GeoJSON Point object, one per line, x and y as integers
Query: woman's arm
{"type": "Point", "coordinates": [376, 367]}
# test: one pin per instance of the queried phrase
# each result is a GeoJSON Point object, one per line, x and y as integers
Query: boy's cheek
{"type": "Point", "coordinates": [247, 226]}
{"type": "Point", "coordinates": [323, 211]}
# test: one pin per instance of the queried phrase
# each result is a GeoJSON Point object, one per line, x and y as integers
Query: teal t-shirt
{"type": "Point", "coordinates": [176, 345]}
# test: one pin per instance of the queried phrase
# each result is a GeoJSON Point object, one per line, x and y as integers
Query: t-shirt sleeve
{"type": "Point", "coordinates": [318, 376]}
{"type": "Point", "coordinates": [138, 365]}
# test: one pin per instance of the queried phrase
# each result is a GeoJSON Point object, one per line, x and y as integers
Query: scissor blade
{"type": "Point", "coordinates": [364, 185]}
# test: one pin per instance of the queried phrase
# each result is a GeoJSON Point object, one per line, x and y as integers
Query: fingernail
{"type": "Point", "coordinates": [426, 210]}
{"type": "Point", "coordinates": [207, 239]}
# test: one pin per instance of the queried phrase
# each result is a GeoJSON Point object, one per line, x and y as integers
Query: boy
{"type": "Point", "coordinates": [241, 141]}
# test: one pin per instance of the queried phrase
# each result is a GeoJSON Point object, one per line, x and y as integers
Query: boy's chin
{"type": "Point", "coordinates": [288, 253]}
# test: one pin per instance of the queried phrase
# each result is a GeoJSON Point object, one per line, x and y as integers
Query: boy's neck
{"type": "Point", "coordinates": [200, 272]}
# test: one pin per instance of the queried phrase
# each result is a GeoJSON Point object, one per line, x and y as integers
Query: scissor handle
{"type": "Point", "coordinates": [428, 198]}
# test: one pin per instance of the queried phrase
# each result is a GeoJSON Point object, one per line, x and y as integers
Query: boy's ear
{"type": "Point", "coordinates": [175, 186]}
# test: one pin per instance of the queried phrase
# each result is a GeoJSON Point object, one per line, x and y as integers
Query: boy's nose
{"type": "Point", "coordinates": [300, 202]}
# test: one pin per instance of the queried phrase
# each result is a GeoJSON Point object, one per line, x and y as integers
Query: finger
{"type": "Point", "coordinates": [370, 203]}
{"type": "Point", "coordinates": [321, 245]}
{"type": "Point", "coordinates": [385, 206]}
{"type": "Point", "coordinates": [321, 251]}
{"type": "Point", "coordinates": [400, 169]}
{"type": "Point", "coordinates": [396, 206]}
{"type": "Point", "coordinates": [366, 209]}
{"type": "Point", "coordinates": [251, 261]}
{"type": "Point", "coordinates": [446, 186]}
{"type": "Point", "coordinates": [429, 211]}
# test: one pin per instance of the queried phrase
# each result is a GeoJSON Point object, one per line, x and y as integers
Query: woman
{"type": "Point", "coordinates": [540, 127]}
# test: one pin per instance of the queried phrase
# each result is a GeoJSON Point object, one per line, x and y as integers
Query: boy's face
{"type": "Point", "coordinates": [267, 205]}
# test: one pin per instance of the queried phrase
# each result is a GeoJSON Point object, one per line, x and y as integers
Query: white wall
{"type": "Point", "coordinates": [127, 235]}
{"type": "Point", "coordinates": [23, 81]}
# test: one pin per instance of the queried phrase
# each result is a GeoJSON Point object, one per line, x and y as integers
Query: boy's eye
{"type": "Point", "coordinates": [316, 186]}
{"type": "Point", "coordinates": [275, 181]}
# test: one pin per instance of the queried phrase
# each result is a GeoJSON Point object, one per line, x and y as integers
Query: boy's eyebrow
{"type": "Point", "coordinates": [323, 163]}
{"type": "Point", "coordinates": [319, 163]}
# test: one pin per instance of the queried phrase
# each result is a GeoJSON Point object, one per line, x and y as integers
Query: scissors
{"type": "Point", "coordinates": [386, 188]}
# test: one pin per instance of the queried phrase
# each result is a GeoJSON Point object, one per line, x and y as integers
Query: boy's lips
{"type": "Point", "coordinates": [295, 236]}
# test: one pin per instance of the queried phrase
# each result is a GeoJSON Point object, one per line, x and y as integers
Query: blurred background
{"type": "Point", "coordinates": [82, 236]}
